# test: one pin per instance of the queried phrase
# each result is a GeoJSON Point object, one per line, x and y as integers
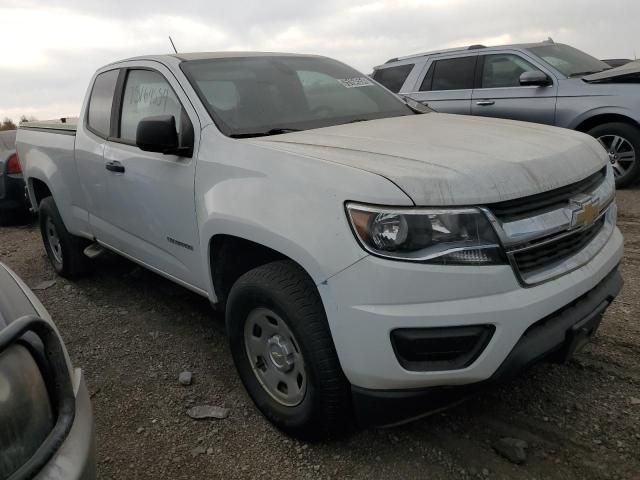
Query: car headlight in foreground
{"type": "Point", "coordinates": [26, 414]}
{"type": "Point", "coordinates": [461, 236]}
{"type": "Point", "coordinates": [35, 415]}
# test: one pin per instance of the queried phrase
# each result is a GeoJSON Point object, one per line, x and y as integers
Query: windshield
{"type": "Point", "coordinates": [266, 95]}
{"type": "Point", "coordinates": [568, 60]}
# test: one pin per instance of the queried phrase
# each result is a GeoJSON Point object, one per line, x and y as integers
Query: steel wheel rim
{"type": "Point", "coordinates": [622, 155]}
{"type": "Point", "coordinates": [275, 357]}
{"type": "Point", "coordinates": [53, 240]}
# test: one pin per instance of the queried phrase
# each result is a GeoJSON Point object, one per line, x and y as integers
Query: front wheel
{"type": "Point", "coordinates": [284, 353]}
{"type": "Point", "coordinates": [622, 143]}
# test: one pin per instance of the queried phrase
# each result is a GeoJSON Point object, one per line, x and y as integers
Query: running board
{"type": "Point", "coordinates": [94, 250]}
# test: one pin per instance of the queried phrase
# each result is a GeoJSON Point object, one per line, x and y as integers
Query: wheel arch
{"type": "Point", "coordinates": [230, 256]}
{"type": "Point", "coordinates": [595, 119]}
{"type": "Point", "coordinates": [38, 190]}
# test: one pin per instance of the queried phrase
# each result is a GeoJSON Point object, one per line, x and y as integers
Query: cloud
{"type": "Point", "coordinates": [56, 45]}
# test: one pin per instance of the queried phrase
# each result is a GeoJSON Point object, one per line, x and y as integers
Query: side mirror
{"type": "Point", "coordinates": [159, 134]}
{"type": "Point", "coordinates": [535, 78]}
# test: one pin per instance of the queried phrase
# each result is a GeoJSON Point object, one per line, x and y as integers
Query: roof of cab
{"type": "Point", "coordinates": [188, 56]}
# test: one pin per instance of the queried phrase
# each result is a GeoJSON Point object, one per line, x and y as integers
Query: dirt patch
{"type": "Point", "coordinates": [133, 333]}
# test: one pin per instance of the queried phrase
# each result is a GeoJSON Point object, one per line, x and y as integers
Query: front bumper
{"type": "Point", "coordinates": [373, 297]}
{"type": "Point", "coordinates": [556, 336]}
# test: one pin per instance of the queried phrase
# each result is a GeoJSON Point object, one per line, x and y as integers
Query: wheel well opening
{"type": "Point", "coordinates": [592, 122]}
{"type": "Point", "coordinates": [231, 257]}
{"type": "Point", "coordinates": [40, 190]}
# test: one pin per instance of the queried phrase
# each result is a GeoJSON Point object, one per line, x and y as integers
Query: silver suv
{"type": "Point", "coordinates": [543, 82]}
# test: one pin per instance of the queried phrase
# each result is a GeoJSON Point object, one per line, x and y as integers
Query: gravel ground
{"type": "Point", "coordinates": [133, 333]}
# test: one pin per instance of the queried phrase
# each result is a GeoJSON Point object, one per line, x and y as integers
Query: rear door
{"type": "Point", "coordinates": [393, 78]}
{"type": "Point", "coordinates": [93, 130]}
{"type": "Point", "coordinates": [447, 84]}
{"type": "Point", "coordinates": [498, 92]}
{"type": "Point", "coordinates": [152, 215]}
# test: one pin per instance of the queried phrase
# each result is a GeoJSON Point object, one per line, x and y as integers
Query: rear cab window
{"type": "Point", "coordinates": [450, 74]}
{"type": "Point", "coordinates": [393, 77]}
{"type": "Point", "coordinates": [101, 103]}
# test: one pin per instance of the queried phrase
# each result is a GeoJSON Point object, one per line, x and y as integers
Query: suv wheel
{"type": "Point", "coordinates": [65, 251]}
{"type": "Point", "coordinates": [622, 143]}
{"type": "Point", "coordinates": [284, 353]}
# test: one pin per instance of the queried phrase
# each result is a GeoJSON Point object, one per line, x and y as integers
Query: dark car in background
{"type": "Point", "coordinates": [13, 202]}
{"type": "Point", "coordinates": [46, 420]}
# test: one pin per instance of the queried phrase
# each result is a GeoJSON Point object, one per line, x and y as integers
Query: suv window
{"type": "Point", "coordinates": [393, 77]}
{"type": "Point", "coordinates": [504, 70]}
{"type": "Point", "coordinates": [146, 94]}
{"type": "Point", "coordinates": [100, 102]}
{"type": "Point", "coordinates": [450, 74]}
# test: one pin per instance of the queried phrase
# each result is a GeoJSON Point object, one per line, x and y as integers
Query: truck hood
{"type": "Point", "coordinates": [629, 73]}
{"type": "Point", "coordinates": [439, 159]}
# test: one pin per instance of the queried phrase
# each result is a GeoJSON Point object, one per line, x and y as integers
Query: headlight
{"type": "Point", "coordinates": [26, 417]}
{"type": "Point", "coordinates": [461, 236]}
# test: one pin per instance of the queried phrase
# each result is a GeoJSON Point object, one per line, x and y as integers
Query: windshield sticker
{"type": "Point", "coordinates": [355, 82]}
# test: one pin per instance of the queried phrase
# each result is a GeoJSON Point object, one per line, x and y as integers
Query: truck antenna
{"type": "Point", "coordinates": [173, 44]}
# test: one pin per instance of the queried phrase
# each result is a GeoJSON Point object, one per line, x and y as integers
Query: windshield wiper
{"type": "Point", "coordinates": [356, 121]}
{"type": "Point", "coordinates": [415, 106]}
{"type": "Point", "coordinates": [272, 131]}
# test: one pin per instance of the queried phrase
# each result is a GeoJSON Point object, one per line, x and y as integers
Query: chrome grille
{"type": "Point", "coordinates": [549, 253]}
{"type": "Point", "coordinates": [511, 210]}
{"type": "Point", "coordinates": [552, 233]}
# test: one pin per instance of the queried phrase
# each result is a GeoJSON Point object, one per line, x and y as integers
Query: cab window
{"type": "Point", "coordinates": [101, 101]}
{"type": "Point", "coordinates": [504, 70]}
{"type": "Point", "coordinates": [146, 94]}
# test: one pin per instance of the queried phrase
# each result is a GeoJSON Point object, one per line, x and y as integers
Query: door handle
{"type": "Point", "coordinates": [485, 103]}
{"type": "Point", "coordinates": [114, 166]}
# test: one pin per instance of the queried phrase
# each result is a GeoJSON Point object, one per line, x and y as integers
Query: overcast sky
{"type": "Point", "coordinates": [50, 48]}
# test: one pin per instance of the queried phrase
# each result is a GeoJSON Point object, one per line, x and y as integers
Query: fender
{"type": "Point", "coordinates": [267, 238]}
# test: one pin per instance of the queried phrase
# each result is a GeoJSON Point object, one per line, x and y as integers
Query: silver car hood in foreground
{"type": "Point", "coordinates": [440, 159]}
{"type": "Point", "coordinates": [629, 69]}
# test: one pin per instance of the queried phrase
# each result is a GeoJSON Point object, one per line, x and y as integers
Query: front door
{"type": "Point", "coordinates": [498, 92]}
{"type": "Point", "coordinates": [152, 216]}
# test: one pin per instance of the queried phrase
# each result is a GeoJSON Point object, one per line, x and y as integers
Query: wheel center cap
{"type": "Point", "coordinates": [280, 353]}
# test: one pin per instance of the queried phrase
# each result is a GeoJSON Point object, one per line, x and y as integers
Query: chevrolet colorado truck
{"type": "Point", "coordinates": [374, 261]}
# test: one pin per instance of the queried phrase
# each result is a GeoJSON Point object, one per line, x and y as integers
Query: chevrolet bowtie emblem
{"type": "Point", "coordinates": [585, 210]}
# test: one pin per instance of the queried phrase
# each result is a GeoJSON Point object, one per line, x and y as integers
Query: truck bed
{"type": "Point", "coordinates": [67, 126]}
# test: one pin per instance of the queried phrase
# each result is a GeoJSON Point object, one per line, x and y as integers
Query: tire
{"type": "Point", "coordinates": [66, 254]}
{"type": "Point", "coordinates": [627, 171]}
{"type": "Point", "coordinates": [319, 406]}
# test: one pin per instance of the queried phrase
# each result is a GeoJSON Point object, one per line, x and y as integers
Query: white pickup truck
{"type": "Point", "coordinates": [374, 261]}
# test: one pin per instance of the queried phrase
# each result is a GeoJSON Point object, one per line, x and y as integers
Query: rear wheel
{"type": "Point", "coordinates": [65, 251]}
{"type": "Point", "coordinates": [284, 353]}
{"type": "Point", "coordinates": [622, 143]}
